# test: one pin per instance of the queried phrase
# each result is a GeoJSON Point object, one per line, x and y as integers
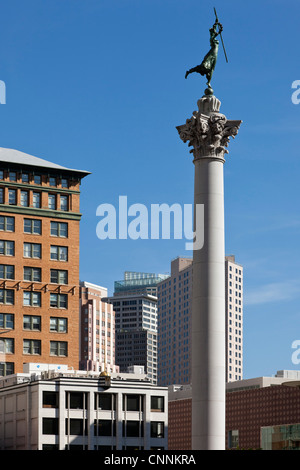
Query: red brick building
{"type": "Point", "coordinates": [250, 410]}
{"type": "Point", "coordinates": [39, 262]}
{"type": "Point", "coordinates": [179, 425]}
{"type": "Point", "coordinates": [252, 417]}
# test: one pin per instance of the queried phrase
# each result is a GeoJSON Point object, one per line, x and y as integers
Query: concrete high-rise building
{"type": "Point", "coordinates": [175, 322]}
{"type": "Point", "coordinates": [135, 305]}
{"type": "Point", "coordinates": [97, 329]}
{"type": "Point", "coordinates": [39, 261]}
{"type": "Point", "coordinates": [234, 319]}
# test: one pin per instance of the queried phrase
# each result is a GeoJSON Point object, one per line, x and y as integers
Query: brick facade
{"type": "Point", "coordinates": [247, 411]}
{"type": "Point", "coordinates": [52, 251]}
{"type": "Point", "coordinates": [180, 422]}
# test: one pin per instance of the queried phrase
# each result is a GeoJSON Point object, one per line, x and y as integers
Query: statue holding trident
{"type": "Point", "coordinates": [208, 64]}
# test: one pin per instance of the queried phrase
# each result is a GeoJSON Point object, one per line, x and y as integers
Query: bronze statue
{"type": "Point", "coordinates": [208, 64]}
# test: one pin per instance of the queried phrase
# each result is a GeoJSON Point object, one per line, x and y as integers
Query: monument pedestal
{"type": "Point", "coordinates": [208, 132]}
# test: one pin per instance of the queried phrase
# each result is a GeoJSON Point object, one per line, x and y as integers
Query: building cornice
{"type": "Point", "coordinates": [33, 211]}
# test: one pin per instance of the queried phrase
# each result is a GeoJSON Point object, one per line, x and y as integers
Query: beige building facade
{"type": "Point", "coordinates": [97, 329]}
{"type": "Point", "coordinates": [175, 322]}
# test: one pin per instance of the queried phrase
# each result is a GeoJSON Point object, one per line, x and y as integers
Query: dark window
{"type": "Point", "coordinates": [157, 404]}
{"type": "Point", "coordinates": [7, 248]}
{"type": "Point", "coordinates": [7, 271]}
{"type": "Point", "coordinates": [6, 321]}
{"type": "Point", "coordinates": [51, 201]}
{"type": "Point", "coordinates": [105, 401]}
{"type": "Point", "coordinates": [59, 253]}
{"type": "Point", "coordinates": [233, 439]}
{"type": "Point", "coordinates": [32, 250]}
{"type": "Point", "coordinates": [63, 203]}
{"type": "Point", "coordinates": [59, 300]}
{"type": "Point", "coordinates": [31, 299]}
{"type": "Point", "coordinates": [31, 346]}
{"type": "Point", "coordinates": [50, 399]}
{"type": "Point", "coordinates": [60, 325]}
{"type": "Point", "coordinates": [76, 400]}
{"type": "Point", "coordinates": [104, 427]}
{"type": "Point", "coordinates": [59, 229]}
{"type": "Point", "coordinates": [58, 348]}
{"type": "Point", "coordinates": [25, 177]}
{"type": "Point", "coordinates": [157, 429]}
{"type": "Point", "coordinates": [7, 368]}
{"type": "Point", "coordinates": [7, 224]}
{"type": "Point", "coordinates": [133, 429]}
{"type": "Point", "coordinates": [36, 200]}
{"type": "Point", "coordinates": [37, 179]}
{"type": "Point", "coordinates": [7, 296]}
{"type": "Point", "coordinates": [24, 199]}
{"type": "Point", "coordinates": [50, 425]}
{"type": "Point", "coordinates": [12, 196]}
{"type": "Point", "coordinates": [133, 402]}
{"type": "Point", "coordinates": [33, 226]}
{"type": "Point", "coordinates": [31, 322]}
{"type": "Point", "coordinates": [58, 276]}
{"type": "Point", "coordinates": [32, 274]}
{"type": "Point", "coordinates": [7, 346]}
{"type": "Point", "coordinates": [77, 427]}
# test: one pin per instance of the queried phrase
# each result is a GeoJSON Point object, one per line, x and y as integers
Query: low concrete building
{"type": "Point", "coordinates": [50, 407]}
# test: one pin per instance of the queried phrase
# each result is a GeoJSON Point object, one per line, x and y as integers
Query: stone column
{"type": "Point", "coordinates": [208, 132]}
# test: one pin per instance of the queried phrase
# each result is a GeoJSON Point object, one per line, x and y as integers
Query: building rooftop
{"type": "Point", "coordinates": [138, 280]}
{"type": "Point", "coordinates": [38, 371]}
{"type": "Point", "coordinates": [90, 285]}
{"type": "Point", "coordinates": [17, 157]}
{"type": "Point", "coordinates": [282, 377]}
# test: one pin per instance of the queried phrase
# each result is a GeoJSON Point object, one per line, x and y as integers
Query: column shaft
{"type": "Point", "coordinates": [208, 312]}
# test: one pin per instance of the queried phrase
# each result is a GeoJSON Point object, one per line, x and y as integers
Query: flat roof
{"type": "Point", "coordinates": [17, 157]}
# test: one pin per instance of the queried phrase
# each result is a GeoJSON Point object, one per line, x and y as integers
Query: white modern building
{"type": "Point", "coordinates": [234, 319]}
{"type": "Point", "coordinates": [51, 407]}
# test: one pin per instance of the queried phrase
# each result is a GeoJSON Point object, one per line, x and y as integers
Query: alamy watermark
{"type": "Point", "coordinates": [296, 353]}
{"type": "Point", "coordinates": [296, 94]}
{"type": "Point", "coordinates": [2, 92]}
{"type": "Point", "coordinates": [161, 222]}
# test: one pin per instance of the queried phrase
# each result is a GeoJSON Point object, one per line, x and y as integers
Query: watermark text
{"type": "Point", "coordinates": [163, 222]}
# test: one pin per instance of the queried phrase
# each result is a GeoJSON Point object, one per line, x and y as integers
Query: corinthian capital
{"type": "Point", "coordinates": [208, 131]}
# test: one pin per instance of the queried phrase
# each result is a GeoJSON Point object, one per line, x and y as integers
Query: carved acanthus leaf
{"type": "Point", "coordinates": [208, 135]}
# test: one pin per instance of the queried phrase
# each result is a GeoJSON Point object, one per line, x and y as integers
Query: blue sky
{"type": "Point", "coordinates": [100, 86]}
